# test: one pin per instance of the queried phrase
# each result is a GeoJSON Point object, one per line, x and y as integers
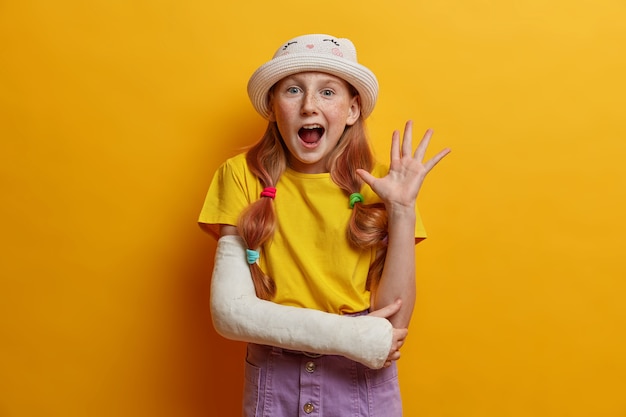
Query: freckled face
{"type": "Point", "coordinates": [312, 110]}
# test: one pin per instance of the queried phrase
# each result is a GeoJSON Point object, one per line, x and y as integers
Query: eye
{"type": "Point", "coordinates": [293, 90]}
{"type": "Point", "coordinates": [328, 93]}
{"type": "Point", "coordinates": [288, 44]}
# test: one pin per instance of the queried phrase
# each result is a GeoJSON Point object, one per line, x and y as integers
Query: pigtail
{"type": "Point", "coordinates": [257, 222]}
{"type": "Point", "coordinates": [367, 228]}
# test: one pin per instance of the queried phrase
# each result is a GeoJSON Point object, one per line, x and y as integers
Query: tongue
{"type": "Point", "coordinates": [310, 135]}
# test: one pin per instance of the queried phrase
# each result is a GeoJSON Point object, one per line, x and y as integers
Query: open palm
{"type": "Point", "coordinates": [406, 173]}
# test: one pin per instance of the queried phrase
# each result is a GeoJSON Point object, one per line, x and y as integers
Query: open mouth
{"type": "Point", "coordinates": [310, 135]}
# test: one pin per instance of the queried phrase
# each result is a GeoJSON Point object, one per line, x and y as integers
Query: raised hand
{"type": "Point", "coordinates": [406, 169]}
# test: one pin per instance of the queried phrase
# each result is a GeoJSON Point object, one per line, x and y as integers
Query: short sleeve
{"type": "Point", "coordinates": [227, 196]}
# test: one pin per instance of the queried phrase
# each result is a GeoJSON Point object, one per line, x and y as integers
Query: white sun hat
{"type": "Point", "coordinates": [316, 52]}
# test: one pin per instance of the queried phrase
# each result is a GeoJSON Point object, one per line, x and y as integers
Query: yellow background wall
{"type": "Point", "coordinates": [114, 115]}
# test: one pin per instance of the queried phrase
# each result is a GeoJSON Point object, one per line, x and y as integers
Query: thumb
{"type": "Point", "coordinates": [366, 176]}
{"type": "Point", "coordinates": [388, 310]}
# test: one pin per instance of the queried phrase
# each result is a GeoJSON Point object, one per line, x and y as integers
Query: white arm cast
{"type": "Point", "coordinates": [239, 315]}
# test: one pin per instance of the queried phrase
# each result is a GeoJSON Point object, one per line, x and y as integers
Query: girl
{"type": "Point", "coordinates": [313, 268]}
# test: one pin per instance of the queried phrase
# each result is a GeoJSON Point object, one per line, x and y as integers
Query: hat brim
{"type": "Point", "coordinates": [357, 75]}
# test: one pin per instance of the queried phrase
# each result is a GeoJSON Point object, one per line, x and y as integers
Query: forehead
{"type": "Point", "coordinates": [314, 77]}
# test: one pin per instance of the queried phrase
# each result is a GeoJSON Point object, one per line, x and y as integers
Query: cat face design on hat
{"type": "Point", "coordinates": [328, 44]}
{"type": "Point", "coordinates": [313, 53]}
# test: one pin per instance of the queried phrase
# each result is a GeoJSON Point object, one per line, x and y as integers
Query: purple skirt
{"type": "Point", "coordinates": [283, 383]}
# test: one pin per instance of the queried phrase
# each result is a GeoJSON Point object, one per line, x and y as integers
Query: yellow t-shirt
{"type": "Point", "coordinates": [309, 256]}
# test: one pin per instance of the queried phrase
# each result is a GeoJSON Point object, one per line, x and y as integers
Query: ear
{"type": "Point", "coordinates": [270, 105]}
{"type": "Point", "coordinates": [354, 112]}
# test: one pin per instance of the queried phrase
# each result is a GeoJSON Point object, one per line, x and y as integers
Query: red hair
{"type": "Point", "coordinates": [267, 160]}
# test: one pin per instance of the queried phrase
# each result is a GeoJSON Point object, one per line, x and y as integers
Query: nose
{"type": "Point", "coordinates": [309, 104]}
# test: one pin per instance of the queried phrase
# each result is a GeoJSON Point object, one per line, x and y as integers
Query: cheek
{"type": "Point", "coordinates": [283, 111]}
{"type": "Point", "coordinates": [341, 114]}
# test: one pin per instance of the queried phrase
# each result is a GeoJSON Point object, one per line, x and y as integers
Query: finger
{"type": "Point", "coordinates": [366, 176]}
{"type": "Point", "coordinates": [401, 333]}
{"type": "Point", "coordinates": [395, 145]}
{"type": "Point", "coordinates": [407, 139]}
{"type": "Point", "coordinates": [394, 356]}
{"type": "Point", "coordinates": [388, 310]}
{"type": "Point", "coordinates": [423, 145]}
{"type": "Point", "coordinates": [430, 164]}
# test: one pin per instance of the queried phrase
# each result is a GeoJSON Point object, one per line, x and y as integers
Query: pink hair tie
{"type": "Point", "coordinates": [269, 192]}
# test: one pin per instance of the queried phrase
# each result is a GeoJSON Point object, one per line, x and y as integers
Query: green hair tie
{"type": "Point", "coordinates": [354, 198]}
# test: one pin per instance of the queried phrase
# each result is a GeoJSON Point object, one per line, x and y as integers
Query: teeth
{"type": "Point", "coordinates": [312, 127]}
